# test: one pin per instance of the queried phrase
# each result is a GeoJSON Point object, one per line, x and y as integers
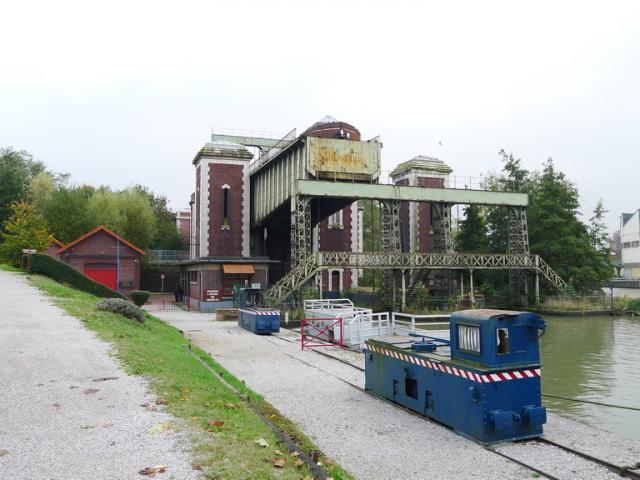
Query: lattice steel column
{"type": "Point", "coordinates": [442, 241]}
{"type": "Point", "coordinates": [518, 245]}
{"type": "Point", "coordinates": [300, 229]}
{"type": "Point", "coordinates": [389, 243]}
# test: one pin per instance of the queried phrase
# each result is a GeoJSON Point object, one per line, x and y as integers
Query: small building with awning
{"type": "Point", "coordinates": [208, 282]}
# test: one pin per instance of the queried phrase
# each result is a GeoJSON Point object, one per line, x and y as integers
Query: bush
{"type": "Point", "coordinates": [634, 305]}
{"type": "Point", "coordinates": [48, 266]}
{"type": "Point", "coordinates": [140, 297]}
{"type": "Point", "coordinates": [121, 307]}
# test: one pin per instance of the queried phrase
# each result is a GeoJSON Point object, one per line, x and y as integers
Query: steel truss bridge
{"type": "Point", "coordinates": [316, 262]}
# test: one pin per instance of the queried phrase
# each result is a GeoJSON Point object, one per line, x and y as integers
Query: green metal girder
{"type": "Point", "coordinates": [260, 142]}
{"type": "Point", "coordinates": [320, 188]}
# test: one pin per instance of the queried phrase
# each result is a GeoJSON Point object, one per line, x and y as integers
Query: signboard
{"type": "Point", "coordinates": [255, 285]}
{"type": "Point", "coordinates": [212, 295]}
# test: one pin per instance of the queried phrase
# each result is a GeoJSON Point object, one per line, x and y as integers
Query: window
{"type": "Point", "coordinates": [469, 338]}
{"type": "Point", "coordinates": [193, 277]}
{"type": "Point", "coordinates": [225, 207]}
{"type": "Point", "coordinates": [335, 220]}
{"type": "Point", "coordinates": [502, 341]}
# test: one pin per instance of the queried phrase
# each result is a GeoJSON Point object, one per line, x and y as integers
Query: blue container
{"type": "Point", "coordinates": [485, 385]}
{"type": "Point", "coordinates": [258, 320]}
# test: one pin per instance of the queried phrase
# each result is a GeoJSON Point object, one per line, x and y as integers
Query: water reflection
{"type": "Point", "coordinates": [596, 359]}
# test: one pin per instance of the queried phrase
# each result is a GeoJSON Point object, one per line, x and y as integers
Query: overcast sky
{"type": "Point", "coordinates": [121, 93]}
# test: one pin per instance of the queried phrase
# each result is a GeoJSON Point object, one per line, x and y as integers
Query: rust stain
{"type": "Point", "coordinates": [328, 155]}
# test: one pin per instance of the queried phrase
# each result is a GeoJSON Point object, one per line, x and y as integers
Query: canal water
{"type": "Point", "coordinates": [595, 359]}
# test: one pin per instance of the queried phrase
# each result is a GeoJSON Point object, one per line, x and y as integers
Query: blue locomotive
{"type": "Point", "coordinates": [262, 321]}
{"type": "Point", "coordinates": [484, 382]}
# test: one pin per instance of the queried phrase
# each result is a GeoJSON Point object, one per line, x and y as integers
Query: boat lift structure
{"type": "Point", "coordinates": [301, 179]}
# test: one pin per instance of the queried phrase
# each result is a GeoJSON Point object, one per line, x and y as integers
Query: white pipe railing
{"type": "Point", "coordinates": [405, 323]}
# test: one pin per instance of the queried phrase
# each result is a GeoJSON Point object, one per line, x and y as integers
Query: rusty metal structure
{"type": "Point", "coordinates": [298, 180]}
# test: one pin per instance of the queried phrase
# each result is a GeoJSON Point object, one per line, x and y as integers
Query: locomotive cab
{"type": "Point", "coordinates": [496, 338]}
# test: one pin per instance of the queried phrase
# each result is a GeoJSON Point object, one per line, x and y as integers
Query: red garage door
{"type": "Point", "coordinates": [102, 273]}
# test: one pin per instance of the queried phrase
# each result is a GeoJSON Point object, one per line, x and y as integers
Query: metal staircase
{"type": "Point", "coordinates": [293, 280]}
{"type": "Point", "coordinates": [552, 279]}
{"type": "Point", "coordinates": [418, 279]}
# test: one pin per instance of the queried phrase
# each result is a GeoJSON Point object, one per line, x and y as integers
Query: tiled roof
{"type": "Point", "coordinates": [101, 228]}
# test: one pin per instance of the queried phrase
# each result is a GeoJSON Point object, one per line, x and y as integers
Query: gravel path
{"type": "Point", "coordinates": [369, 437]}
{"type": "Point", "coordinates": [56, 421]}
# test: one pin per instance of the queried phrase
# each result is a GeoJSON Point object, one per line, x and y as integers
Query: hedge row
{"type": "Point", "coordinates": [48, 266]}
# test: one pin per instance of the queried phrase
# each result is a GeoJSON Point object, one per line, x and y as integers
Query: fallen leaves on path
{"type": "Point", "coordinates": [262, 443]}
{"type": "Point", "coordinates": [161, 427]}
{"type": "Point", "coordinates": [298, 463]}
{"type": "Point", "coordinates": [160, 401]}
{"type": "Point", "coordinates": [104, 379]}
{"type": "Point", "coordinates": [152, 471]}
{"type": "Point", "coordinates": [3, 452]}
{"type": "Point", "coordinates": [87, 427]}
{"type": "Point", "coordinates": [107, 424]}
{"type": "Point", "coordinates": [215, 423]}
{"type": "Point", "coordinates": [89, 391]}
{"type": "Point", "coordinates": [278, 452]}
{"type": "Point", "coordinates": [279, 462]}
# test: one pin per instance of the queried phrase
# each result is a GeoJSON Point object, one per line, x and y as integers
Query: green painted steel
{"type": "Point", "coordinates": [260, 142]}
{"type": "Point", "coordinates": [319, 188]}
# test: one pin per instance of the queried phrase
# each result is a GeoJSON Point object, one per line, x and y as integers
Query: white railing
{"type": "Point", "coordinates": [359, 324]}
{"type": "Point", "coordinates": [365, 325]}
{"type": "Point", "coordinates": [406, 323]}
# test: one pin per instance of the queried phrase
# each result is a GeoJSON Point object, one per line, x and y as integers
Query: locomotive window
{"type": "Point", "coordinates": [502, 340]}
{"type": "Point", "coordinates": [469, 338]}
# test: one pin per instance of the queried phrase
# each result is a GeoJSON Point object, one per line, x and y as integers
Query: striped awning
{"type": "Point", "coordinates": [238, 269]}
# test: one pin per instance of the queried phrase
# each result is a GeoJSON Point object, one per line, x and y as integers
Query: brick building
{"type": "Point", "coordinates": [183, 222]}
{"type": "Point", "coordinates": [54, 248]}
{"type": "Point", "coordinates": [106, 257]}
{"type": "Point", "coordinates": [219, 228]}
{"type": "Point", "coordinates": [223, 252]}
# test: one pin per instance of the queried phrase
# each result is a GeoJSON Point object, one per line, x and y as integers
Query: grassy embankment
{"type": "Point", "coordinates": [9, 268]}
{"type": "Point", "coordinates": [191, 392]}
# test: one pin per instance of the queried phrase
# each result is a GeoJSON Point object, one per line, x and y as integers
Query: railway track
{"type": "Point", "coordinates": [531, 454]}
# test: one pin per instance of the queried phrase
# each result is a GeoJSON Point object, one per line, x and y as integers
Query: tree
{"type": "Point", "coordinates": [557, 234]}
{"type": "Point", "coordinates": [16, 170]}
{"type": "Point", "coordinates": [104, 209]}
{"type": "Point", "coordinates": [139, 223]}
{"type": "Point", "coordinates": [167, 236]}
{"type": "Point", "coordinates": [67, 214]}
{"type": "Point", "coordinates": [473, 233]}
{"type": "Point", "coordinates": [23, 229]}
{"type": "Point", "coordinates": [513, 178]}
{"type": "Point", "coordinates": [601, 241]}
